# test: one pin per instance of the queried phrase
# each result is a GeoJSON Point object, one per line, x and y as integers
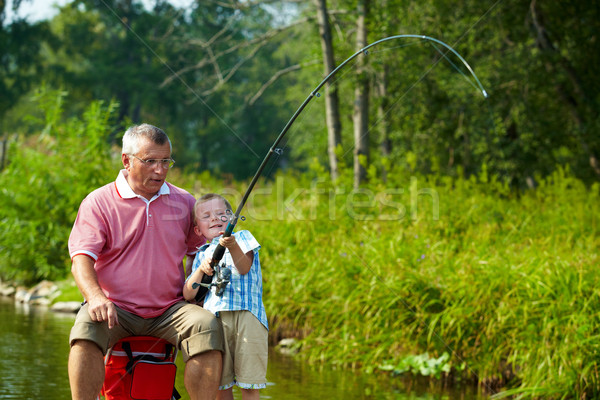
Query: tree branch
{"type": "Point", "coordinates": [278, 75]}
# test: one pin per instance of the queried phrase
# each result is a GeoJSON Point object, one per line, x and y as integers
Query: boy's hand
{"type": "Point", "coordinates": [205, 267]}
{"type": "Point", "coordinates": [227, 242]}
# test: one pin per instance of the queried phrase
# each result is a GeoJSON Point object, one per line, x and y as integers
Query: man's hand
{"type": "Point", "coordinates": [102, 309]}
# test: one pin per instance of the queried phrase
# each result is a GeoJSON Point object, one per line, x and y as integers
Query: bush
{"type": "Point", "coordinates": [47, 176]}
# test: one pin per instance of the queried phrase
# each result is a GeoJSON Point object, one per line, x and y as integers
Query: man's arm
{"type": "Point", "coordinates": [189, 262]}
{"type": "Point", "coordinates": [100, 307]}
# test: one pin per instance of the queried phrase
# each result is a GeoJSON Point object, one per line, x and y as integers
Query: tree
{"type": "Point", "coordinates": [361, 99]}
{"type": "Point", "coordinates": [332, 112]}
{"type": "Point", "coordinates": [579, 100]}
{"type": "Point", "coordinates": [20, 59]}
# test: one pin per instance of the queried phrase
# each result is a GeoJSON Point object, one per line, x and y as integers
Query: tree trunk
{"type": "Point", "coordinates": [385, 145]}
{"type": "Point", "coordinates": [361, 100]}
{"type": "Point", "coordinates": [332, 108]}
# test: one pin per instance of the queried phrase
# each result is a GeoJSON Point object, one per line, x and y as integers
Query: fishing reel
{"type": "Point", "coordinates": [222, 277]}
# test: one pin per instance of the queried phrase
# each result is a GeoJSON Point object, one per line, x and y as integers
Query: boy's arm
{"type": "Point", "coordinates": [188, 292]}
{"type": "Point", "coordinates": [242, 261]}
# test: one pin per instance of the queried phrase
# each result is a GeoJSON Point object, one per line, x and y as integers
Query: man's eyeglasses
{"type": "Point", "coordinates": [165, 162]}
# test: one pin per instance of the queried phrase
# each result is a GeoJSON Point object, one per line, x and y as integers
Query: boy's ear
{"type": "Point", "coordinates": [197, 230]}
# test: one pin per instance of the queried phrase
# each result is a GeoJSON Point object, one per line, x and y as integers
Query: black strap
{"type": "Point", "coordinates": [176, 394]}
{"type": "Point", "coordinates": [147, 357]}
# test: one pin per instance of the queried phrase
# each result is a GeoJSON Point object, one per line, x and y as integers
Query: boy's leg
{"type": "Point", "coordinates": [226, 394]}
{"type": "Point", "coordinates": [250, 394]}
{"type": "Point", "coordinates": [250, 352]}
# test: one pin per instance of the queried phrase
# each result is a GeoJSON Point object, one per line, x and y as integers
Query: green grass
{"type": "Point", "coordinates": [505, 283]}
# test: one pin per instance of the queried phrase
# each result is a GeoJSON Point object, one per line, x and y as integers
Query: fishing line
{"type": "Point", "coordinates": [163, 62]}
{"type": "Point", "coordinates": [443, 54]}
{"type": "Point", "coordinates": [478, 87]}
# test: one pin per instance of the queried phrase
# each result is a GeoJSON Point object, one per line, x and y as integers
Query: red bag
{"type": "Point", "coordinates": [140, 368]}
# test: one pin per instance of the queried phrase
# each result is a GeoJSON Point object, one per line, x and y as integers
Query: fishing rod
{"type": "Point", "coordinates": [223, 274]}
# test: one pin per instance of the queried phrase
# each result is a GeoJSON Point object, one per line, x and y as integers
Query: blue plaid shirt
{"type": "Point", "coordinates": [244, 292]}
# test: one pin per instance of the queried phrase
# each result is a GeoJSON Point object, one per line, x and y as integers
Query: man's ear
{"type": "Point", "coordinates": [126, 161]}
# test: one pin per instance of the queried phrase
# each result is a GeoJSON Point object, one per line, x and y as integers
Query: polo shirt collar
{"type": "Point", "coordinates": [126, 192]}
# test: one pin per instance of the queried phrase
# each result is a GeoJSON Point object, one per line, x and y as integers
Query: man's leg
{"type": "Point", "coordinates": [86, 370]}
{"type": "Point", "coordinates": [203, 374]}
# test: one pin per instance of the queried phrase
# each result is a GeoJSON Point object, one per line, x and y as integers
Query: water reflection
{"type": "Point", "coordinates": [34, 353]}
{"type": "Point", "coordinates": [33, 365]}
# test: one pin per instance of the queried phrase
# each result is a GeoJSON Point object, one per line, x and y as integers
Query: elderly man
{"type": "Point", "coordinates": [127, 248]}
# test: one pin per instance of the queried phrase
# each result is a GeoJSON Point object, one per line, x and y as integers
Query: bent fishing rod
{"type": "Point", "coordinates": [223, 274]}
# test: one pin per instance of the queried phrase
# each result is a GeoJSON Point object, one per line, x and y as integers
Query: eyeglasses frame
{"type": "Point", "coordinates": [151, 162]}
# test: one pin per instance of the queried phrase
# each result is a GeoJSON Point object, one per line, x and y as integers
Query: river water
{"type": "Point", "coordinates": [34, 351]}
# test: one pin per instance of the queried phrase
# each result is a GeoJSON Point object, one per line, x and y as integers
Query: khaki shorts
{"type": "Point", "coordinates": [246, 350]}
{"type": "Point", "coordinates": [191, 328]}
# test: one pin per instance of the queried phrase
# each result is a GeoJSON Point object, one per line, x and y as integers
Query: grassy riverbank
{"type": "Point", "coordinates": [498, 287]}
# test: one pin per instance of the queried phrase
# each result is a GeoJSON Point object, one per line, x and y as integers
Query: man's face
{"type": "Point", "coordinates": [211, 218]}
{"type": "Point", "coordinates": [146, 180]}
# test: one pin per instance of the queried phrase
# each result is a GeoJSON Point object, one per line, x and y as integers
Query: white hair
{"type": "Point", "coordinates": [131, 138]}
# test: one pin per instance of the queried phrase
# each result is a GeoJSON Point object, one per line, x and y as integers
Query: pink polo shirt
{"type": "Point", "coordinates": [138, 245]}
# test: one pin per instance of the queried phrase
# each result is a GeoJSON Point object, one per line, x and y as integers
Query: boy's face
{"type": "Point", "coordinates": [211, 218]}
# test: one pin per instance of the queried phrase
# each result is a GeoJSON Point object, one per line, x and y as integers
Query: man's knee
{"type": "Point", "coordinates": [204, 320]}
{"type": "Point", "coordinates": [209, 364]}
{"type": "Point", "coordinates": [86, 347]}
{"type": "Point", "coordinates": [207, 337]}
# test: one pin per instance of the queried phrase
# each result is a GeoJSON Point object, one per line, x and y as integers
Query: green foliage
{"type": "Point", "coordinates": [46, 178]}
{"type": "Point", "coordinates": [198, 73]}
{"type": "Point", "coordinates": [503, 282]}
{"type": "Point", "coordinates": [21, 60]}
{"type": "Point", "coordinates": [420, 364]}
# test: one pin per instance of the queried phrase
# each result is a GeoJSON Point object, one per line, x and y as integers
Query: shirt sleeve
{"type": "Point", "coordinates": [89, 234]}
{"type": "Point", "coordinates": [246, 241]}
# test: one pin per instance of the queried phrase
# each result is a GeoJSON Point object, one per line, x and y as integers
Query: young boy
{"type": "Point", "coordinates": [240, 307]}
